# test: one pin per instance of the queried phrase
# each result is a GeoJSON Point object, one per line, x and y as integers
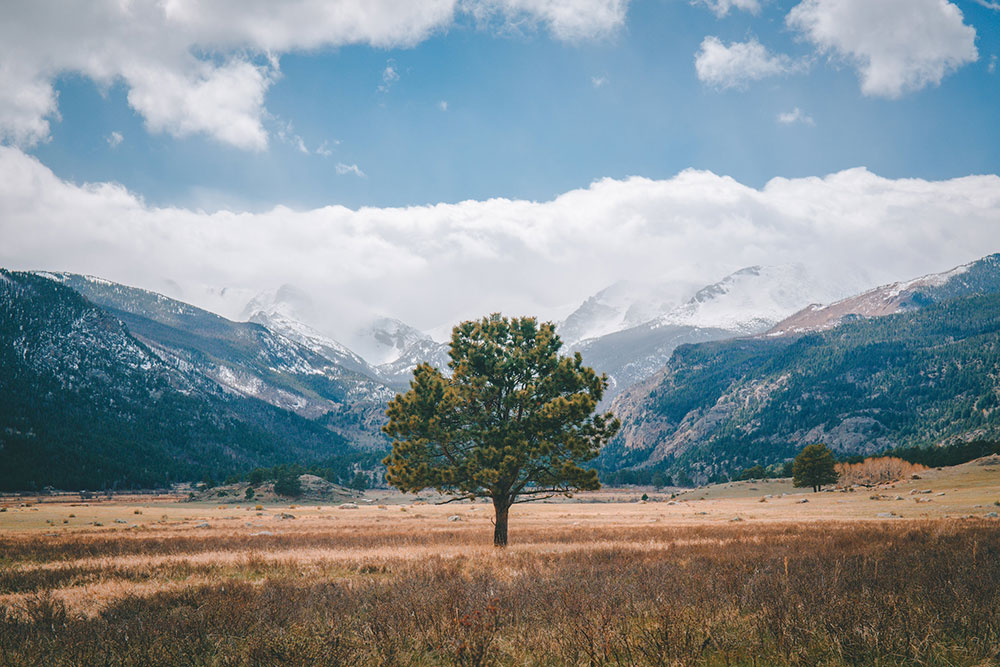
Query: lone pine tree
{"type": "Point", "coordinates": [513, 423]}
{"type": "Point", "coordinates": [814, 467]}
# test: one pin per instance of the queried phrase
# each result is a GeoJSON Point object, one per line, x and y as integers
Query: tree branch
{"type": "Point", "coordinates": [471, 496]}
{"type": "Point", "coordinates": [532, 500]}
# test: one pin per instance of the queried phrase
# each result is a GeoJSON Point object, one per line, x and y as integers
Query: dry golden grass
{"type": "Point", "coordinates": [601, 582]}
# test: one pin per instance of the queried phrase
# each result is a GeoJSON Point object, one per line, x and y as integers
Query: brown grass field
{"type": "Point", "coordinates": [603, 579]}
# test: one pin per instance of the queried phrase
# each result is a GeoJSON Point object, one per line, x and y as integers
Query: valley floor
{"type": "Point", "coordinates": [604, 580]}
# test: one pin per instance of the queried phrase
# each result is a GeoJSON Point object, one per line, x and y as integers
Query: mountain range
{"type": "Point", "coordinates": [746, 302]}
{"type": "Point", "coordinates": [87, 403]}
{"type": "Point", "coordinates": [912, 363]}
{"type": "Point", "coordinates": [107, 384]}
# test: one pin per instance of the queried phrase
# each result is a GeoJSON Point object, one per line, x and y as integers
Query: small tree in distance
{"type": "Point", "coordinates": [814, 467]}
{"type": "Point", "coordinates": [513, 423]}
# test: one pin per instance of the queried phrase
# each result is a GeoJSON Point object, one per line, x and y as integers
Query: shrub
{"type": "Point", "coordinates": [880, 470]}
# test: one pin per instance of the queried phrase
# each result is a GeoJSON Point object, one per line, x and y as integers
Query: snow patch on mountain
{"type": "Point", "coordinates": [753, 299]}
{"type": "Point", "coordinates": [878, 302]}
{"type": "Point", "coordinates": [621, 306]}
{"type": "Point", "coordinates": [385, 340]}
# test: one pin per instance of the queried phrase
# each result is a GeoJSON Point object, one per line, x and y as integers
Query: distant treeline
{"type": "Point", "coordinates": [932, 457]}
{"type": "Point", "coordinates": [940, 457]}
{"type": "Point", "coordinates": [347, 470]}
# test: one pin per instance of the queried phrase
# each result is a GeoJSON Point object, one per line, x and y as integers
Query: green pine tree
{"type": "Point", "coordinates": [814, 467]}
{"type": "Point", "coordinates": [513, 423]}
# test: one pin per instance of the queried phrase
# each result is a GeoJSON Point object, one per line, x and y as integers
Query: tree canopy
{"type": "Point", "coordinates": [514, 422]}
{"type": "Point", "coordinates": [814, 467]}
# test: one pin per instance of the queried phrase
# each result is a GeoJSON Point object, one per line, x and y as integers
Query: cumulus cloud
{"type": "Point", "coordinates": [443, 105]}
{"type": "Point", "coordinates": [721, 7]}
{"type": "Point", "coordinates": [114, 139]}
{"type": "Point", "coordinates": [739, 63]}
{"type": "Point", "coordinates": [598, 81]}
{"type": "Point", "coordinates": [204, 66]}
{"type": "Point", "coordinates": [897, 46]}
{"type": "Point", "coordinates": [989, 4]}
{"type": "Point", "coordinates": [794, 116]}
{"type": "Point", "coordinates": [434, 265]}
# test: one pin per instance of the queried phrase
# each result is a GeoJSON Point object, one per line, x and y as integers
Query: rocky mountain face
{"type": "Point", "coordinates": [86, 402]}
{"type": "Point", "coordinates": [746, 302]}
{"type": "Point", "coordinates": [923, 374]}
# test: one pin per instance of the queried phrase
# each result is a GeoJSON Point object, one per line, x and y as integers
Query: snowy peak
{"type": "Point", "coordinates": [979, 277]}
{"type": "Point", "coordinates": [285, 311]}
{"type": "Point", "coordinates": [304, 335]}
{"type": "Point", "coordinates": [620, 306]}
{"type": "Point", "coordinates": [385, 340]}
{"type": "Point", "coordinates": [751, 300]}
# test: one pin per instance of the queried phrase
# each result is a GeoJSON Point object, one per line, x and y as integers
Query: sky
{"type": "Point", "coordinates": [442, 159]}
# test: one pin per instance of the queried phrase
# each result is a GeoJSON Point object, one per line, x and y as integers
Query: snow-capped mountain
{"type": "Point", "coordinates": [385, 340]}
{"type": "Point", "coordinates": [979, 277]}
{"type": "Point", "coordinates": [248, 358]}
{"type": "Point", "coordinates": [399, 372]}
{"type": "Point", "coordinates": [124, 386]}
{"type": "Point", "coordinates": [281, 311]}
{"type": "Point", "coordinates": [751, 300]}
{"type": "Point", "coordinates": [746, 302]}
{"type": "Point", "coordinates": [621, 306]}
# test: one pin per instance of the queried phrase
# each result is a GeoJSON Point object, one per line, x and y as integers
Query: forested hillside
{"type": "Point", "coordinates": [916, 378]}
{"type": "Point", "coordinates": [84, 404]}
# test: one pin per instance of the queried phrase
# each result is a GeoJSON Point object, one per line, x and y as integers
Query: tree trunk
{"type": "Point", "coordinates": [502, 507]}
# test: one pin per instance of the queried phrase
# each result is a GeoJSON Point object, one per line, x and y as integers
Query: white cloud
{"type": "Point", "coordinates": [598, 81]}
{"type": "Point", "coordinates": [204, 66]}
{"type": "Point", "coordinates": [390, 75]}
{"type": "Point", "coordinates": [897, 46]}
{"type": "Point", "coordinates": [569, 20]}
{"type": "Point", "coordinates": [114, 139]}
{"type": "Point", "coordinates": [989, 4]}
{"type": "Point", "coordinates": [796, 115]}
{"type": "Point", "coordinates": [433, 265]}
{"type": "Point", "coordinates": [324, 149]}
{"type": "Point", "coordinates": [286, 132]}
{"type": "Point", "coordinates": [721, 7]}
{"type": "Point", "coordinates": [739, 63]}
{"type": "Point", "coordinates": [343, 169]}
{"type": "Point", "coordinates": [442, 105]}
{"type": "Point", "coordinates": [992, 67]}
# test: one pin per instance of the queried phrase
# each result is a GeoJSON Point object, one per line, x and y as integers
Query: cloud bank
{"type": "Point", "coordinates": [434, 265]}
{"type": "Point", "coordinates": [205, 66]}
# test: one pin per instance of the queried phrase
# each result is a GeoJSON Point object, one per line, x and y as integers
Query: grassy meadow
{"type": "Point", "coordinates": [714, 576]}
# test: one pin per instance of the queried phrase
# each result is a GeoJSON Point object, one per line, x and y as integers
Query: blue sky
{"type": "Point", "coordinates": [441, 159]}
{"type": "Point", "coordinates": [531, 116]}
